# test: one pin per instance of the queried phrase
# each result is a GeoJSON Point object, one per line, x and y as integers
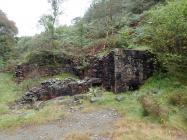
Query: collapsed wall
{"type": "Point", "coordinates": [53, 88]}
{"type": "Point", "coordinates": [48, 63]}
{"type": "Point", "coordinates": [132, 68]}
{"type": "Point", "coordinates": [122, 70]}
{"type": "Point", "coordinates": [119, 71]}
{"type": "Point", "coordinates": [103, 68]}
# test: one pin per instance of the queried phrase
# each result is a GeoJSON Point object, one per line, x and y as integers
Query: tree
{"type": "Point", "coordinates": [165, 31]}
{"type": "Point", "coordinates": [49, 21]}
{"type": "Point", "coordinates": [108, 16]}
{"type": "Point", "coordinates": [80, 30]}
{"type": "Point", "coordinates": [8, 31]}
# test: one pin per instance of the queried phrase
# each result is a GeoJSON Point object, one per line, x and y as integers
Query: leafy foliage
{"type": "Point", "coordinates": [7, 32]}
{"type": "Point", "coordinates": [152, 107]}
{"type": "Point", "coordinates": [49, 21]}
{"type": "Point", "coordinates": [165, 31]}
{"type": "Point", "coordinates": [107, 23]}
{"type": "Point", "coordinates": [106, 17]}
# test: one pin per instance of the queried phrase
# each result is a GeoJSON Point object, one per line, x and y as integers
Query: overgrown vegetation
{"type": "Point", "coordinates": [164, 29]}
{"type": "Point", "coordinates": [157, 101]}
{"type": "Point", "coordinates": [77, 136]}
{"type": "Point", "coordinates": [8, 31]}
{"type": "Point", "coordinates": [10, 92]}
{"type": "Point", "coordinates": [157, 25]}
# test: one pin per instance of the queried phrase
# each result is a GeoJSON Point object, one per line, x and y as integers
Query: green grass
{"type": "Point", "coordinates": [10, 91]}
{"type": "Point", "coordinates": [165, 86]}
{"type": "Point", "coordinates": [29, 83]}
{"type": "Point", "coordinates": [1, 63]}
{"type": "Point", "coordinates": [160, 88]}
{"type": "Point", "coordinates": [31, 117]}
{"type": "Point", "coordinates": [130, 106]}
{"type": "Point", "coordinates": [136, 125]}
{"type": "Point", "coordinates": [8, 88]}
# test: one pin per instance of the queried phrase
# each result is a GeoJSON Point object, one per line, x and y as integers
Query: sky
{"type": "Point", "coordinates": [26, 13]}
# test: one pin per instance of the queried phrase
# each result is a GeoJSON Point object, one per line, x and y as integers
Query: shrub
{"type": "Point", "coordinates": [153, 108]}
{"type": "Point", "coordinates": [1, 62]}
{"type": "Point", "coordinates": [178, 99]}
{"type": "Point", "coordinates": [165, 31]}
{"type": "Point", "coordinates": [77, 136]}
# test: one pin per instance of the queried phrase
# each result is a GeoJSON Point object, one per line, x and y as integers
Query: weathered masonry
{"type": "Point", "coordinates": [120, 70]}
{"type": "Point", "coordinates": [123, 70]}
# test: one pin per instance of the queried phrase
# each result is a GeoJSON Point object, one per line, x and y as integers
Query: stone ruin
{"type": "Point", "coordinates": [54, 88]}
{"type": "Point", "coordinates": [48, 63]}
{"type": "Point", "coordinates": [123, 70]}
{"type": "Point", "coordinates": [119, 71]}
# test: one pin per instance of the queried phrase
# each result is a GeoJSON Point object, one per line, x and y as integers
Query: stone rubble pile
{"type": "Point", "coordinates": [54, 88]}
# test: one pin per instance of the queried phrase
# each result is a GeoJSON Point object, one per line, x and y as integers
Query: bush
{"type": "Point", "coordinates": [153, 108]}
{"type": "Point", "coordinates": [77, 136]}
{"type": "Point", "coordinates": [1, 62]}
{"type": "Point", "coordinates": [165, 30]}
{"type": "Point", "coordinates": [45, 57]}
{"type": "Point", "coordinates": [178, 99]}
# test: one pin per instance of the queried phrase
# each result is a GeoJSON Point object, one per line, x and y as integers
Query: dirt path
{"type": "Point", "coordinates": [95, 123]}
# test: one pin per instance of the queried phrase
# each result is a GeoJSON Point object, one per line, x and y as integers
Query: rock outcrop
{"type": "Point", "coordinates": [54, 88]}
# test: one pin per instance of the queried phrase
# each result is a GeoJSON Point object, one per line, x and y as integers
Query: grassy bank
{"type": "Point", "coordinates": [160, 103]}
{"type": "Point", "coordinates": [162, 99]}
{"type": "Point", "coordinates": [10, 91]}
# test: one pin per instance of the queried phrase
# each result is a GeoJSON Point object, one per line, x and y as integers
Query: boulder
{"type": "Point", "coordinates": [81, 97]}
{"type": "Point", "coordinates": [96, 99]}
{"type": "Point", "coordinates": [120, 98]}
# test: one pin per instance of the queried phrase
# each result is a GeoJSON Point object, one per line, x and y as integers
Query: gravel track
{"type": "Point", "coordinates": [95, 122]}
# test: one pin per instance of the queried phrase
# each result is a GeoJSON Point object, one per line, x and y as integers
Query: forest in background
{"type": "Point", "coordinates": [156, 25]}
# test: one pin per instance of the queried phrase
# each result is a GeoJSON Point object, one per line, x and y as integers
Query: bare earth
{"type": "Point", "coordinates": [96, 123]}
